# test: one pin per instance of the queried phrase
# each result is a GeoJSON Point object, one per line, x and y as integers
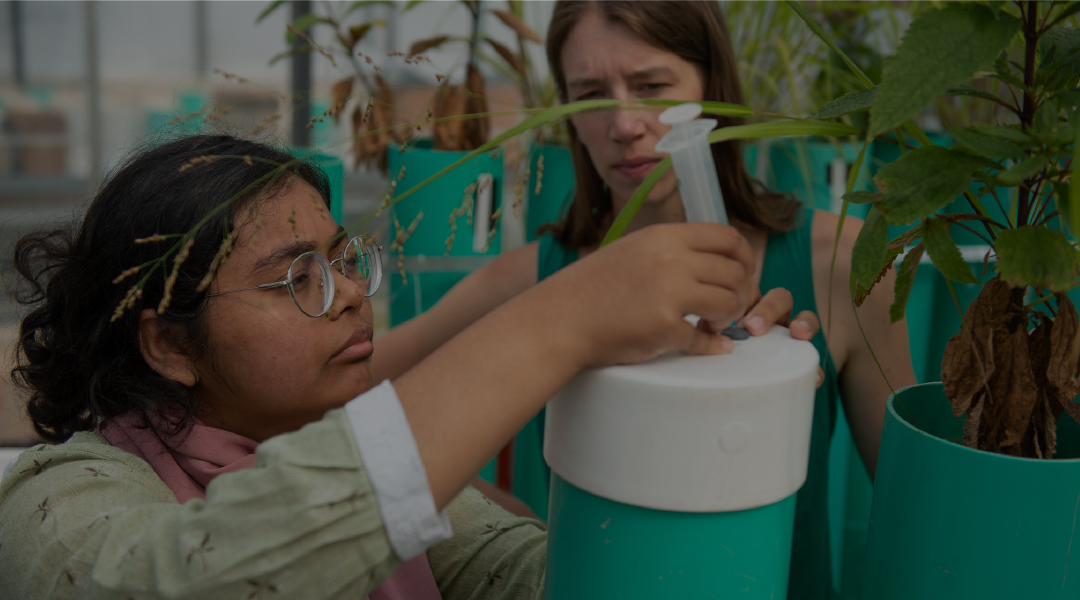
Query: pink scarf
{"type": "Point", "coordinates": [208, 452]}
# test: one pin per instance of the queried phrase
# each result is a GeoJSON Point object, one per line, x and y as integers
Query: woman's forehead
{"type": "Point", "coordinates": [598, 48]}
{"type": "Point", "coordinates": [294, 214]}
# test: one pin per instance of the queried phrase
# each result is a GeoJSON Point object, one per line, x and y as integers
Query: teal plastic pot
{"type": "Point", "coordinates": [550, 170]}
{"type": "Point", "coordinates": [805, 168]}
{"type": "Point", "coordinates": [430, 271]}
{"type": "Point", "coordinates": [949, 522]}
{"type": "Point", "coordinates": [599, 548]}
{"type": "Point", "coordinates": [334, 169]}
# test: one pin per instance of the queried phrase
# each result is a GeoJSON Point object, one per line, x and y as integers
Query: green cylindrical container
{"type": "Point", "coordinates": [550, 186]}
{"type": "Point", "coordinates": [599, 548]}
{"type": "Point", "coordinates": [949, 522]}
{"type": "Point", "coordinates": [677, 478]}
{"type": "Point", "coordinates": [430, 270]}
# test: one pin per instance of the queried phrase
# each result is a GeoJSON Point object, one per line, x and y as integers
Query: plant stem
{"type": "Point", "coordinates": [1031, 40]}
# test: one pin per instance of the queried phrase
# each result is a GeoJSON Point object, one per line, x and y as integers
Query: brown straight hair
{"type": "Point", "coordinates": [694, 31]}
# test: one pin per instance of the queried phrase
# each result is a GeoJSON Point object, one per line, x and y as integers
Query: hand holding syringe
{"type": "Point", "coordinates": [699, 187]}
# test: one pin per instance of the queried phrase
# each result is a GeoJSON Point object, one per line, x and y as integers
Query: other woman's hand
{"type": "Point", "coordinates": [774, 308]}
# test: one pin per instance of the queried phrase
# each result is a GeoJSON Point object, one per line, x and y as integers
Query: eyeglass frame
{"type": "Point", "coordinates": [364, 243]}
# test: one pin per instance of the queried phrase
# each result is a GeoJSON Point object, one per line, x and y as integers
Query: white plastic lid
{"type": "Point", "coordinates": [690, 433]}
{"type": "Point", "coordinates": [681, 113]}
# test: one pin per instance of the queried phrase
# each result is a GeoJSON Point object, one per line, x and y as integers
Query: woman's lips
{"type": "Point", "coordinates": [356, 352]}
{"type": "Point", "coordinates": [357, 347]}
{"type": "Point", "coordinates": [636, 168]}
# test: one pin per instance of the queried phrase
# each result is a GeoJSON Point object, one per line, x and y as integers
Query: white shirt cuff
{"type": "Point", "coordinates": [393, 465]}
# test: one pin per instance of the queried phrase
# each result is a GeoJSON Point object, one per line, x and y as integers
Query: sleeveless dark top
{"type": "Point", "coordinates": [788, 264]}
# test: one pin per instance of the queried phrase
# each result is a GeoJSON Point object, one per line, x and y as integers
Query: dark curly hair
{"type": "Point", "coordinates": [79, 365]}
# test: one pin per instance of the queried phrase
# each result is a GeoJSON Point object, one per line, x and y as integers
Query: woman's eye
{"type": "Point", "coordinates": [652, 88]}
{"type": "Point", "coordinates": [591, 95]}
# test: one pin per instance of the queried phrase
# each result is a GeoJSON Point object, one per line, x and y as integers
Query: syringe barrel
{"type": "Point", "coordinates": [688, 145]}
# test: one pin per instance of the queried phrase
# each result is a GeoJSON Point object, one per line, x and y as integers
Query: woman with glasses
{"type": "Point", "coordinates": [199, 350]}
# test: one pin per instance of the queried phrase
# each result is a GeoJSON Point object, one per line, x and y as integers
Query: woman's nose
{"type": "Point", "coordinates": [347, 295]}
{"type": "Point", "coordinates": [627, 125]}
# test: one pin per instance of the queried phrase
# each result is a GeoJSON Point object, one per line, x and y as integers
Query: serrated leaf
{"type": "Point", "coordinates": [1058, 43]}
{"type": "Point", "coordinates": [518, 25]}
{"type": "Point", "coordinates": [1046, 118]}
{"type": "Point", "coordinates": [1028, 167]}
{"type": "Point", "coordinates": [860, 197]}
{"type": "Point", "coordinates": [1003, 131]}
{"type": "Point", "coordinates": [967, 90]}
{"type": "Point", "coordinates": [303, 23]}
{"type": "Point", "coordinates": [848, 103]}
{"type": "Point", "coordinates": [1037, 256]}
{"type": "Point", "coordinates": [944, 253]}
{"type": "Point", "coordinates": [905, 279]}
{"type": "Point", "coordinates": [986, 145]}
{"type": "Point", "coordinates": [870, 256]}
{"type": "Point", "coordinates": [941, 48]}
{"type": "Point", "coordinates": [922, 181]}
{"type": "Point", "coordinates": [269, 9]}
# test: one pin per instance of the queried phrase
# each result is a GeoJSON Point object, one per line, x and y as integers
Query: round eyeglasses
{"type": "Point", "coordinates": [310, 278]}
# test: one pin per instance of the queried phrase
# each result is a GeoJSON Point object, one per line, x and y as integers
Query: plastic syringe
{"type": "Point", "coordinates": [688, 145]}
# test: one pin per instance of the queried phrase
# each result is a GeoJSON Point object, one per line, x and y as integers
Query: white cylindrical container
{"type": "Point", "coordinates": [695, 457]}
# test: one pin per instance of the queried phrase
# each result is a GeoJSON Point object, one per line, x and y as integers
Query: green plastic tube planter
{"type": "Point", "coordinates": [949, 522]}
{"type": "Point", "coordinates": [550, 186]}
{"type": "Point", "coordinates": [430, 270]}
{"type": "Point", "coordinates": [676, 478]}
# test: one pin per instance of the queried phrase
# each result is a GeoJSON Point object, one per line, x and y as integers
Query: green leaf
{"type": "Point", "coordinates": [941, 48]}
{"type": "Point", "coordinates": [622, 221]}
{"type": "Point", "coordinates": [1059, 43]}
{"type": "Point", "coordinates": [860, 197]}
{"type": "Point", "coordinates": [411, 4]}
{"type": "Point", "coordinates": [1037, 256]}
{"type": "Point", "coordinates": [1046, 118]}
{"type": "Point", "coordinates": [869, 256]}
{"type": "Point", "coordinates": [290, 52]}
{"type": "Point", "coordinates": [780, 129]}
{"type": "Point", "coordinates": [922, 181]}
{"type": "Point", "coordinates": [303, 23]}
{"type": "Point", "coordinates": [944, 253]}
{"type": "Point", "coordinates": [967, 90]}
{"type": "Point", "coordinates": [986, 145]}
{"type": "Point", "coordinates": [848, 103]}
{"type": "Point", "coordinates": [269, 9]}
{"type": "Point", "coordinates": [1063, 204]}
{"type": "Point", "coordinates": [905, 278]}
{"type": "Point", "coordinates": [1074, 197]}
{"type": "Point", "coordinates": [1003, 131]}
{"type": "Point", "coordinates": [1022, 170]}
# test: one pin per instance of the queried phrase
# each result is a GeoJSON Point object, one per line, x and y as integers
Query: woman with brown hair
{"type": "Point", "coordinates": [680, 50]}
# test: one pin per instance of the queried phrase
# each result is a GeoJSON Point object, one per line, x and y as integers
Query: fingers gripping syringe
{"type": "Point", "coordinates": [688, 145]}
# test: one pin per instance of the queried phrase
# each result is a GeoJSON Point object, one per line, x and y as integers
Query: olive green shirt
{"type": "Point", "coordinates": [86, 520]}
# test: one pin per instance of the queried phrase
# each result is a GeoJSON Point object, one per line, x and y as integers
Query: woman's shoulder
{"type": "Point", "coordinates": [824, 239]}
{"type": "Point", "coordinates": [79, 466]}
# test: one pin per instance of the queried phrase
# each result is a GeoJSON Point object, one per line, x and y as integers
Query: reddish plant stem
{"type": "Point", "coordinates": [1031, 41]}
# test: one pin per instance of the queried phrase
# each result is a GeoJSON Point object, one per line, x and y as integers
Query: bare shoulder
{"type": "Point", "coordinates": [824, 238]}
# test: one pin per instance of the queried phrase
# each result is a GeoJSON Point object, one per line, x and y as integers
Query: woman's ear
{"type": "Point", "coordinates": [162, 353]}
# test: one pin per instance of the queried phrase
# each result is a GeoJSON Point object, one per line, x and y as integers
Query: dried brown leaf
{"type": "Point", "coordinates": [1012, 397]}
{"type": "Point", "coordinates": [421, 46]}
{"type": "Point", "coordinates": [508, 55]}
{"type": "Point", "coordinates": [519, 26]}
{"type": "Point", "coordinates": [476, 129]}
{"type": "Point", "coordinates": [971, 424]}
{"type": "Point", "coordinates": [1063, 366]}
{"type": "Point", "coordinates": [969, 361]}
{"type": "Point", "coordinates": [339, 95]}
{"type": "Point", "coordinates": [449, 102]}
